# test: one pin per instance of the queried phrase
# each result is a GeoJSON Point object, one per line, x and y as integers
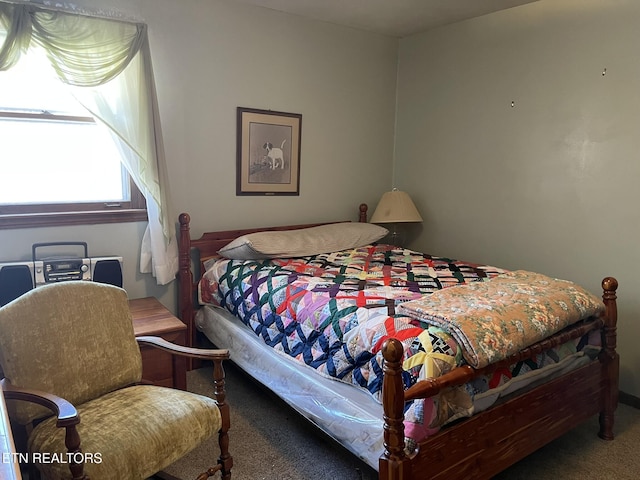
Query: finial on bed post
{"type": "Point", "coordinates": [185, 279]}
{"type": "Point", "coordinates": [609, 297]}
{"type": "Point", "coordinates": [609, 358]}
{"type": "Point", "coordinates": [394, 462]}
{"type": "Point", "coordinates": [363, 213]}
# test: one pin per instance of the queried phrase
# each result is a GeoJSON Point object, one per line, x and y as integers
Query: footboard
{"type": "Point", "coordinates": [491, 441]}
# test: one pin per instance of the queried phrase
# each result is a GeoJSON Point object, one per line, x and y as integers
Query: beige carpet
{"type": "Point", "coordinates": [268, 440]}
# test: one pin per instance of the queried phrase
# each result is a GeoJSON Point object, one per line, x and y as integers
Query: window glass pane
{"type": "Point", "coordinates": [31, 85]}
{"type": "Point", "coordinates": [58, 162]}
{"type": "Point", "coordinates": [51, 161]}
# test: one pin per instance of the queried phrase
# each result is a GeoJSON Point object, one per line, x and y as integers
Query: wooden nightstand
{"type": "Point", "coordinates": [150, 317]}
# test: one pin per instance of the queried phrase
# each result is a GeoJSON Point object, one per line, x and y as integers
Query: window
{"type": "Point", "coordinates": [57, 165]}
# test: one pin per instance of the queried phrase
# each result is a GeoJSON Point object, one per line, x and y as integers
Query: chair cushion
{"type": "Point", "coordinates": [135, 432]}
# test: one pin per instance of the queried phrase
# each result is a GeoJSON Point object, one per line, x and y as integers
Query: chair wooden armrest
{"type": "Point", "coordinates": [65, 412]}
{"type": "Point", "coordinates": [201, 353]}
{"type": "Point", "coordinates": [217, 356]}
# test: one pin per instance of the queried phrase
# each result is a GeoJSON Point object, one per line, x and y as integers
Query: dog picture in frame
{"type": "Point", "coordinates": [268, 152]}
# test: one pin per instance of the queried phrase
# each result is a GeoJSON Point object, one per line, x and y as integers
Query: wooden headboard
{"type": "Point", "coordinates": [194, 252]}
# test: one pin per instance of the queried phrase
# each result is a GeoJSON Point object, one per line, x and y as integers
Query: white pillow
{"type": "Point", "coordinates": [302, 242]}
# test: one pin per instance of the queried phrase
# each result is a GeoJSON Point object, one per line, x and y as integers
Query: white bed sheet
{"type": "Point", "coordinates": [349, 415]}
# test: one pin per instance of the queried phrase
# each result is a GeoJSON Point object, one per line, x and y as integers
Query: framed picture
{"type": "Point", "coordinates": [268, 152]}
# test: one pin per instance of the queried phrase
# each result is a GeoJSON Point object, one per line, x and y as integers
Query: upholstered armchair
{"type": "Point", "coordinates": [69, 350]}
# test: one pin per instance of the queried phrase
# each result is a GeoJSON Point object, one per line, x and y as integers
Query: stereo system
{"type": "Point", "coordinates": [17, 278]}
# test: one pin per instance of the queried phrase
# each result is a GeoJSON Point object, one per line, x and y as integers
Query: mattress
{"type": "Point", "coordinates": [348, 414]}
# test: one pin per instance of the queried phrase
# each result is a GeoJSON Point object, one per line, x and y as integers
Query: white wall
{"type": "Point", "coordinates": [211, 56]}
{"type": "Point", "coordinates": [550, 184]}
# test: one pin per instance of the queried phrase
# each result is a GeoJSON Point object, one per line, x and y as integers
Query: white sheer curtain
{"type": "Point", "coordinates": [107, 64]}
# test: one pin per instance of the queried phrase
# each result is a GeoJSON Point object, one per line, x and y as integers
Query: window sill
{"type": "Point", "coordinates": [33, 220]}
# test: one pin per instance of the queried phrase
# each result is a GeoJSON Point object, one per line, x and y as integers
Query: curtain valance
{"type": "Point", "coordinates": [84, 51]}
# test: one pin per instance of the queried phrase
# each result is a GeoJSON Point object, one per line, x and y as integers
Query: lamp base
{"type": "Point", "coordinates": [396, 237]}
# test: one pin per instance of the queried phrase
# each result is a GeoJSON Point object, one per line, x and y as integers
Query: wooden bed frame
{"type": "Point", "coordinates": [485, 444]}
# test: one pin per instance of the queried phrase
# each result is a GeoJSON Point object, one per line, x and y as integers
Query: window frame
{"type": "Point", "coordinates": [76, 213]}
{"type": "Point", "coordinates": [72, 217]}
{"type": "Point", "coordinates": [60, 214]}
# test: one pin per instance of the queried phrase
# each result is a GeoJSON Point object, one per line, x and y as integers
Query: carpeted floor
{"type": "Point", "coordinates": [268, 440]}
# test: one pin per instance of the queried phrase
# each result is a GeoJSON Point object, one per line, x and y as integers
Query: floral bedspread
{"type": "Point", "coordinates": [496, 319]}
{"type": "Point", "coordinates": [334, 311]}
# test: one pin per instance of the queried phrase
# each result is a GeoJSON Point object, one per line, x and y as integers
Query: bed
{"type": "Point", "coordinates": [408, 381]}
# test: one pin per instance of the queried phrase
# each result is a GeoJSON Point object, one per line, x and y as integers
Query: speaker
{"type": "Point", "coordinates": [107, 270]}
{"type": "Point", "coordinates": [16, 278]}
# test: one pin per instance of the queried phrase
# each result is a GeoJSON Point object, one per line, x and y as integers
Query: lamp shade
{"type": "Point", "coordinates": [396, 207]}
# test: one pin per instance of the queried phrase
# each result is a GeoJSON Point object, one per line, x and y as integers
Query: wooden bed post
{"type": "Point", "coordinates": [185, 281]}
{"type": "Point", "coordinates": [609, 358]}
{"type": "Point", "coordinates": [394, 464]}
{"type": "Point", "coordinates": [363, 213]}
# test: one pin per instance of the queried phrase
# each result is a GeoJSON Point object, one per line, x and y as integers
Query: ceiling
{"type": "Point", "coordinates": [397, 18]}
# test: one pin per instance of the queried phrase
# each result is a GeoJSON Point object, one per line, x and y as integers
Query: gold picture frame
{"type": "Point", "coordinates": [268, 152]}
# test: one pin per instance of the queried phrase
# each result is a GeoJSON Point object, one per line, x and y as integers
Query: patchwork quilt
{"type": "Point", "coordinates": [332, 312]}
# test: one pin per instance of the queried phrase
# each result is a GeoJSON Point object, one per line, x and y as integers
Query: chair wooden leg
{"type": "Point", "coordinates": [72, 442]}
{"type": "Point", "coordinates": [225, 461]}
{"type": "Point", "coordinates": [209, 473]}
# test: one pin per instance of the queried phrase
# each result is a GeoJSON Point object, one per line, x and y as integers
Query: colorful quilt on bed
{"type": "Point", "coordinates": [334, 311]}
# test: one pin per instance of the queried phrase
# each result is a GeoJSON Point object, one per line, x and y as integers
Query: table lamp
{"type": "Point", "coordinates": [396, 207]}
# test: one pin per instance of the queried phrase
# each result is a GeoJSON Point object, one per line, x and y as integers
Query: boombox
{"type": "Point", "coordinates": [17, 278]}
